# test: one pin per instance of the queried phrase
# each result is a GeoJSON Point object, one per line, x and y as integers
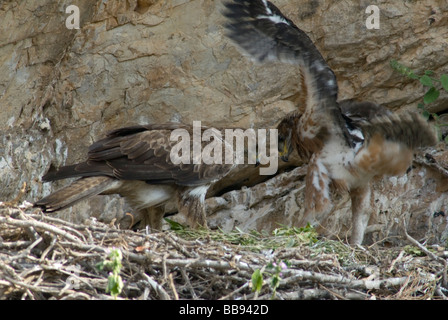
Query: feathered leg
{"type": "Point", "coordinates": [152, 217]}
{"type": "Point", "coordinates": [318, 202]}
{"type": "Point", "coordinates": [362, 204]}
{"type": "Point", "coordinates": [191, 204]}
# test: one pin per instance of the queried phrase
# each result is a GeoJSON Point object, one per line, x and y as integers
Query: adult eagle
{"type": "Point", "coordinates": [137, 163]}
{"type": "Point", "coordinates": [344, 151]}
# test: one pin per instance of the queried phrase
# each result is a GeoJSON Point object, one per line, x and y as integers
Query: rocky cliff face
{"type": "Point", "coordinates": [141, 61]}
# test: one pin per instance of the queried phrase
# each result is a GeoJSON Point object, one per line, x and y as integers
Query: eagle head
{"type": "Point", "coordinates": [285, 135]}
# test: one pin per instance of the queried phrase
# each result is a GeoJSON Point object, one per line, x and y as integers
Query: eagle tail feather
{"type": "Point", "coordinates": [409, 129]}
{"type": "Point", "coordinates": [79, 190]}
{"type": "Point", "coordinates": [390, 142]}
{"type": "Point", "coordinates": [84, 169]}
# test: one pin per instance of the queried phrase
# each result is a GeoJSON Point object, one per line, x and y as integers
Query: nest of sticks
{"type": "Point", "coordinates": [42, 257]}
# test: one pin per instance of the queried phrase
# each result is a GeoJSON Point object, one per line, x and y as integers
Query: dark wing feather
{"type": "Point", "coordinates": [262, 31]}
{"type": "Point", "coordinates": [141, 153]}
{"type": "Point", "coordinates": [365, 119]}
{"type": "Point", "coordinates": [362, 110]}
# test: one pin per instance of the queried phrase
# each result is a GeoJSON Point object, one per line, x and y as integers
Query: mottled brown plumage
{"type": "Point", "coordinates": [346, 144]}
{"type": "Point", "coordinates": [135, 163]}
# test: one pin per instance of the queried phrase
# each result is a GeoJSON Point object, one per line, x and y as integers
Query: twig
{"type": "Point", "coordinates": [157, 288]}
{"type": "Point", "coordinates": [234, 292]}
{"type": "Point", "coordinates": [40, 225]}
{"type": "Point", "coordinates": [173, 287]}
{"type": "Point", "coordinates": [188, 283]}
{"type": "Point", "coordinates": [175, 243]}
{"type": "Point", "coordinates": [39, 253]}
{"type": "Point", "coordinates": [299, 275]}
{"type": "Point", "coordinates": [420, 246]}
{"type": "Point", "coordinates": [394, 262]}
{"type": "Point", "coordinates": [431, 255]}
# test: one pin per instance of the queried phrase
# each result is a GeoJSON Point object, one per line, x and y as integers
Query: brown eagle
{"type": "Point", "coordinates": [346, 144]}
{"type": "Point", "coordinates": [136, 163]}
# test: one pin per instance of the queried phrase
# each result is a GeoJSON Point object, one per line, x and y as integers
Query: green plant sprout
{"type": "Point", "coordinates": [114, 281]}
{"type": "Point", "coordinates": [303, 235]}
{"type": "Point", "coordinates": [434, 86]}
{"type": "Point", "coordinates": [274, 271]}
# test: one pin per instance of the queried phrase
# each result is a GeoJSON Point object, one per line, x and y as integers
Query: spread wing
{"type": "Point", "coordinates": [142, 153]}
{"type": "Point", "coordinates": [262, 31]}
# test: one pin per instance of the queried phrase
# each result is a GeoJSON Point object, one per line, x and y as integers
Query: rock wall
{"type": "Point", "coordinates": [140, 61]}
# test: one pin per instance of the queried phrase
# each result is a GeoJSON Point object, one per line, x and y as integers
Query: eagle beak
{"type": "Point", "coordinates": [284, 154]}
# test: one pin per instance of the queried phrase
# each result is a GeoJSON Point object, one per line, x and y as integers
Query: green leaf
{"type": "Point", "coordinates": [426, 81]}
{"type": "Point", "coordinates": [174, 225]}
{"type": "Point", "coordinates": [414, 251]}
{"type": "Point", "coordinates": [257, 280]}
{"type": "Point", "coordinates": [403, 69]}
{"type": "Point", "coordinates": [275, 282]}
{"type": "Point", "coordinates": [421, 106]}
{"type": "Point", "coordinates": [100, 266]}
{"type": "Point", "coordinates": [426, 114]}
{"type": "Point", "coordinates": [444, 80]}
{"type": "Point", "coordinates": [114, 285]}
{"type": "Point", "coordinates": [394, 64]}
{"type": "Point", "coordinates": [429, 72]}
{"type": "Point", "coordinates": [431, 95]}
{"type": "Point", "coordinates": [291, 243]}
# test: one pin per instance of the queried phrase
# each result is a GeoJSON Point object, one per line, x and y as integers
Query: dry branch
{"type": "Point", "coordinates": [42, 257]}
